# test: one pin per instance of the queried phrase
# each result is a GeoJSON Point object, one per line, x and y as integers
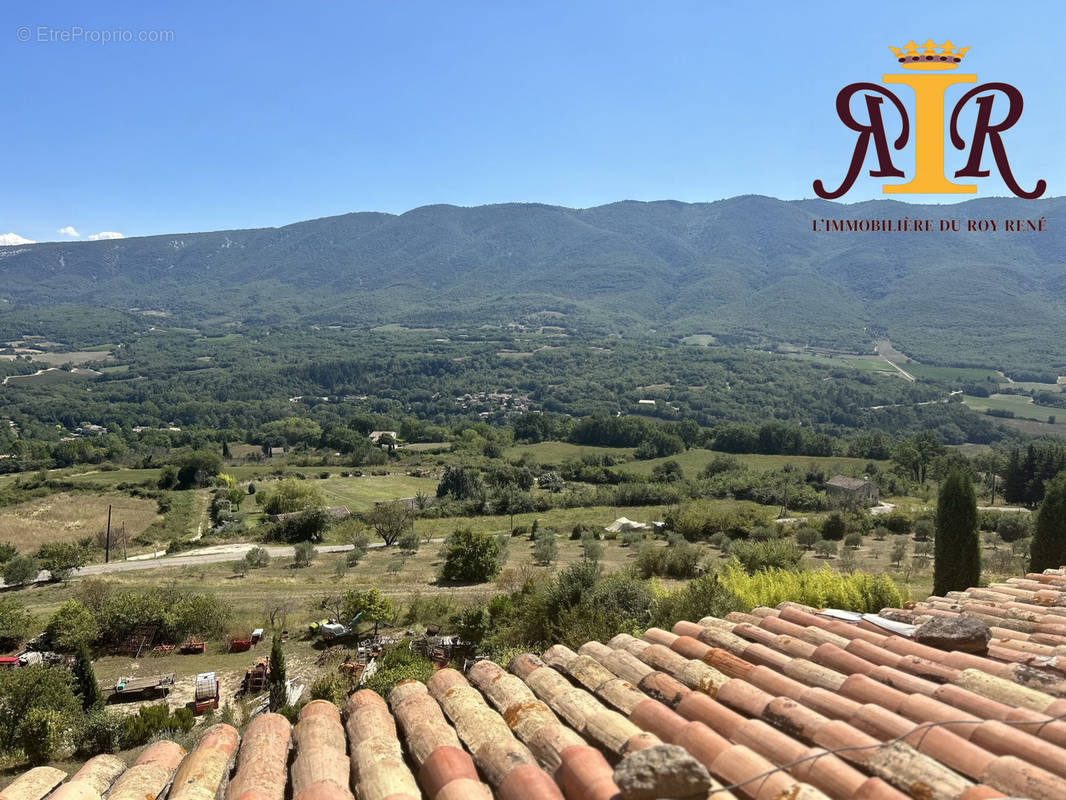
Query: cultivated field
{"type": "Point", "coordinates": [1022, 407]}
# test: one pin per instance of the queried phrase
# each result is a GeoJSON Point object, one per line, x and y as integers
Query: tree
{"type": "Point", "coordinates": [276, 679]}
{"type": "Point", "coordinates": [470, 557]}
{"type": "Point", "coordinates": [198, 469]}
{"type": "Point", "coordinates": [551, 481]}
{"type": "Point", "coordinates": [409, 541]}
{"type": "Point", "coordinates": [1048, 548]}
{"type": "Point", "coordinates": [20, 570]}
{"type": "Point", "coordinates": [85, 679]}
{"type": "Point", "coordinates": [957, 564]}
{"type": "Point", "coordinates": [390, 520]}
{"type": "Point", "coordinates": [461, 483]}
{"type": "Point", "coordinates": [303, 554]}
{"type": "Point", "coordinates": [372, 604]}
{"type": "Point", "coordinates": [898, 552]}
{"type": "Point", "coordinates": [62, 559]}
{"type": "Point", "coordinates": [807, 537]}
{"type": "Point", "coordinates": [293, 495]}
{"type": "Point", "coordinates": [309, 525]}
{"type": "Point", "coordinates": [257, 558]}
{"type": "Point", "coordinates": [545, 548]}
{"type": "Point", "coordinates": [825, 548]}
{"type": "Point", "coordinates": [16, 623]}
{"type": "Point", "coordinates": [667, 472]}
{"type": "Point", "coordinates": [834, 528]}
{"type": "Point", "coordinates": [853, 541]}
{"type": "Point", "coordinates": [71, 626]}
{"type": "Point", "coordinates": [591, 549]}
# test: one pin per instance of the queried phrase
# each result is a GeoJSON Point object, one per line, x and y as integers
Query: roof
{"type": "Point", "coordinates": [844, 482]}
{"type": "Point", "coordinates": [787, 702]}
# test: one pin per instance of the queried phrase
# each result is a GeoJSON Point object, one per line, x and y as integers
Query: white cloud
{"type": "Point", "coordinates": [14, 238]}
{"type": "Point", "coordinates": [68, 230]}
{"type": "Point", "coordinates": [94, 237]}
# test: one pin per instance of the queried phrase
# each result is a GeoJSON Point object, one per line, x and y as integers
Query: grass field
{"type": "Point", "coordinates": [1021, 407]}
{"type": "Point", "coordinates": [76, 357]}
{"type": "Point", "coordinates": [951, 374]}
{"type": "Point", "coordinates": [868, 363]}
{"type": "Point", "coordinates": [361, 493]}
{"type": "Point", "coordinates": [692, 461]}
{"type": "Point", "coordinates": [68, 517]}
{"type": "Point", "coordinates": [699, 339]}
{"type": "Point", "coordinates": [47, 377]}
{"type": "Point", "coordinates": [557, 452]}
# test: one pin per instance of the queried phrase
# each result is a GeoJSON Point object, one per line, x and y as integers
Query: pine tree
{"type": "Point", "coordinates": [958, 554]}
{"type": "Point", "coordinates": [85, 679]}
{"type": "Point", "coordinates": [278, 695]}
{"type": "Point", "coordinates": [1048, 549]}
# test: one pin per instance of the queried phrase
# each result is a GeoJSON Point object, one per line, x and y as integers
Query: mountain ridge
{"type": "Point", "coordinates": [747, 268]}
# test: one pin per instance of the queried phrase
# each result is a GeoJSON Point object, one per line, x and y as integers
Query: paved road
{"type": "Point", "coordinates": [205, 555]}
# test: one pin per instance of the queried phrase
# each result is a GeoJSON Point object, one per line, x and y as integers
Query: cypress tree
{"type": "Point", "coordinates": [1048, 550]}
{"type": "Point", "coordinates": [958, 554]}
{"type": "Point", "coordinates": [278, 697]}
{"type": "Point", "coordinates": [85, 679]}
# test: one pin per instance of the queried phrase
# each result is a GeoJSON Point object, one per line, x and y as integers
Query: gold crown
{"type": "Point", "coordinates": [947, 57]}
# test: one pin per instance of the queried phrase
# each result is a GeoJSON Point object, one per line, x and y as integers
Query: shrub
{"type": "Point", "coordinates": [152, 720]}
{"type": "Point", "coordinates": [101, 731]}
{"type": "Point", "coordinates": [881, 533]}
{"type": "Point", "coordinates": [824, 588]}
{"type": "Point", "coordinates": [409, 541]}
{"type": "Point", "coordinates": [398, 664]}
{"type": "Point", "coordinates": [701, 597]}
{"type": "Point", "coordinates": [42, 733]}
{"type": "Point", "coordinates": [755, 556]}
{"type": "Point", "coordinates": [7, 552]}
{"type": "Point", "coordinates": [825, 548]}
{"type": "Point", "coordinates": [1014, 526]}
{"type": "Point", "coordinates": [34, 687]}
{"type": "Point", "coordinates": [591, 549]}
{"type": "Point", "coordinates": [631, 538]}
{"type": "Point", "coordinates": [701, 519]}
{"type": "Point", "coordinates": [470, 557]}
{"type": "Point", "coordinates": [304, 554]}
{"type": "Point", "coordinates": [681, 560]}
{"type": "Point", "coordinates": [330, 686]}
{"type": "Point", "coordinates": [257, 558]}
{"type": "Point", "coordinates": [853, 541]}
{"type": "Point", "coordinates": [545, 548]}
{"type": "Point", "coordinates": [924, 529]}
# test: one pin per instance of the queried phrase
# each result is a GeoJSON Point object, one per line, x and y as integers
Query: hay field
{"type": "Point", "coordinates": [69, 516]}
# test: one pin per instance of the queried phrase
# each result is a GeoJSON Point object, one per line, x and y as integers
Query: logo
{"type": "Point", "coordinates": [929, 78]}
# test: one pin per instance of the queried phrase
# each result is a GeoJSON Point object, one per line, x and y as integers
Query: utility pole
{"type": "Point", "coordinates": [107, 543]}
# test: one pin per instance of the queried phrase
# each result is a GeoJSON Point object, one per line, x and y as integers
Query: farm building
{"type": "Point", "coordinates": [376, 436]}
{"type": "Point", "coordinates": [953, 698]}
{"type": "Point", "coordinates": [844, 492]}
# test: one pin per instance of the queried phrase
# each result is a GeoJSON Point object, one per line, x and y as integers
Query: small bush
{"type": "Point", "coordinates": [824, 588]}
{"type": "Point", "coordinates": [152, 720]}
{"type": "Point", "coordinates": [304, 554]}
{"type": "Point", "coordinates": [755, 556]}
{"type": "Point", "coordinates": [330, 686]}
{"type": "Point", "coordinates": [42, 734]}
{"type": "Point", "coordinates": [853, 541]}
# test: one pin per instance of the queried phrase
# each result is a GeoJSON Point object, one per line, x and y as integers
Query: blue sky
{"type": "Point", "coordinates": [259, 114]}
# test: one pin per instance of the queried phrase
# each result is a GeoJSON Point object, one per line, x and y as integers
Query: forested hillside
{"type": "Point", "coordinates": [747, 270]}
